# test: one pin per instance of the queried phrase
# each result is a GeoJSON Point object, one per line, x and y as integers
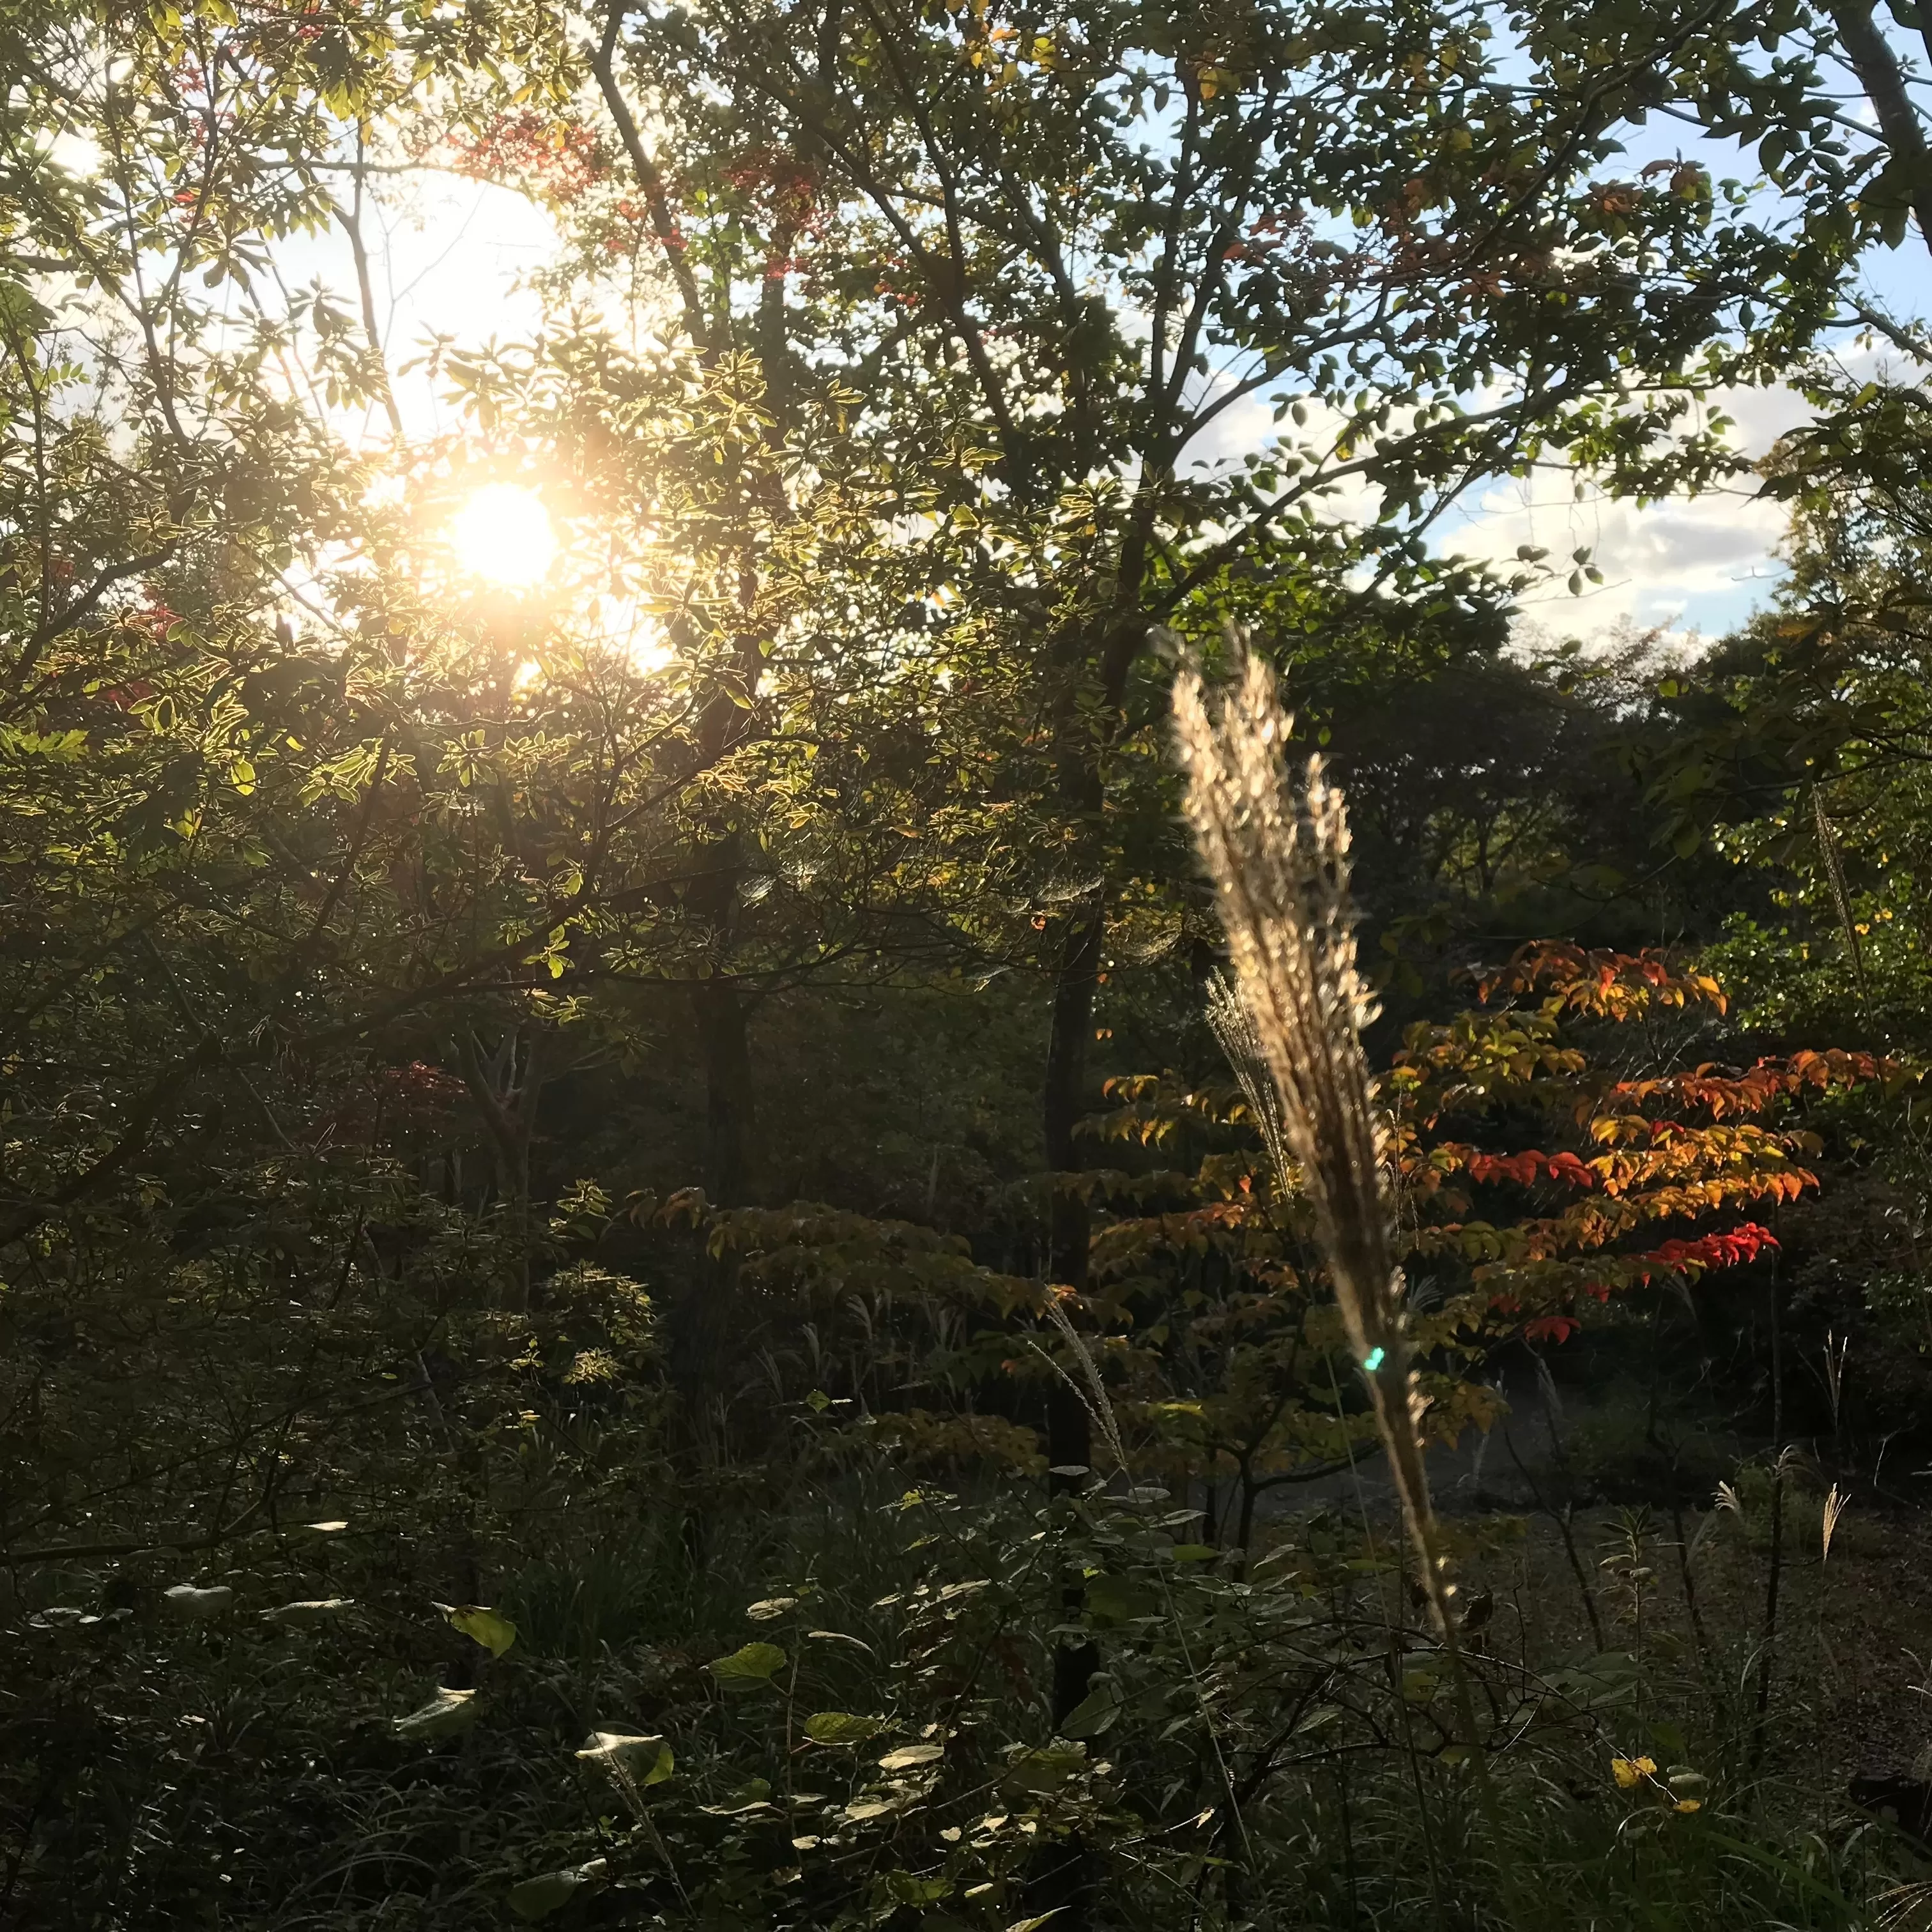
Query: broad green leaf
{"type": "Point", "coordinates": [1119, 1599]}
{"type": "Point", "coordinates": [1609, 1678]}
{"type": "Point", "coordinates": [495, 1633]}
{"type": "Point", "coordinates": [753, 1663]}
{"type": "Point", "coordinates": [841, 1727]}
{"type": "Point", "coordinates": [538, 1897]}
{"type": "Point", "coordinates": [635, 1760]}
{"type": "Point", "coordinates": [755, 1795]}
{"type": "Point", "coordinates": [1094, 1714]}
{"type": "Point", "coordinates": [909, 1756]}
{"type": "Point", "coordinates": [20, 314]}
{"type": "Point", "coordinates": [447, 1713]}
{"type": "Point", "coordinates": [1047, 1768]}
{"type": "Point", "coordinates": [906, 1888]}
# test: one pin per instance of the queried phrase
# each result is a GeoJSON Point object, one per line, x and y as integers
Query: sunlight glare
{"type": "Point", "coordinates": [626, 627]}
{"type": "Point", "coordinates": [503, 535]}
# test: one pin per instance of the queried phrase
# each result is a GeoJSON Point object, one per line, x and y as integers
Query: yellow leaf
{"type": "Point", "coordinates": [494, 1633]}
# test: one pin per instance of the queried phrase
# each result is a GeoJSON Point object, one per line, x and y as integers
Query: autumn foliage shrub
{"type": "Point", "coordinates": [1550, 1174]}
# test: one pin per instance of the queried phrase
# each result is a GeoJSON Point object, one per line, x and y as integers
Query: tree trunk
{"type": "Point", "coordinates": [1880, 73]}
{"type": "Point", "coordinates": [722, 1015]}
{"type": "Point", "coordinates": [507, 1089]}
{"type": "Point", "coordinates": [1063, 1885]}
{"type": "Point", "coordinates": [700, 1324]}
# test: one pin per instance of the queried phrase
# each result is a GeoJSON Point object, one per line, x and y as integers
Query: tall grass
{"type": "Point", "coordinates": [1278, 854]}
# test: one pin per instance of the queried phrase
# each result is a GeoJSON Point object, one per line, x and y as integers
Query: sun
{"type": "Point", "coordinates": [503, 535]}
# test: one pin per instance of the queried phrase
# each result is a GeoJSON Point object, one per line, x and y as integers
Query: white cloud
{"type": "Point", "coordinates": [1688, 564]}
{"type": "Point", "coordinates": [1693, 566]}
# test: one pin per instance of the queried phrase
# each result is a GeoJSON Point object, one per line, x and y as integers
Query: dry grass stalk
{"type": "Point", "coordinates": [1278, 858]}
{"type": "Point", "coordinates": [1278, 855]}
{"type": "Point", "coordinates": [1093, 1397]}
{"type": "Point", "coordinates": [1834, 1508]}
{"type": "Point", "coordinates": [1841, 901]}
{"type": "Point", "coordinates": [1905, 1908]}
{"type": "Point", "coordinates": [1235, 1031]}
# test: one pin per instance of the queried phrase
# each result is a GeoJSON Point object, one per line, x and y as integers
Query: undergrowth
{"type": "Point", "coordinates": [830, 1711]}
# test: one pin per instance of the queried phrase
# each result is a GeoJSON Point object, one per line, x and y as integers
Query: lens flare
{"type": "Point", "coordinates": [503, 535]}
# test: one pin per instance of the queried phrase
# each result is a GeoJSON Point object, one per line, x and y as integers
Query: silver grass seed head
{"type": "Point", "coordinates": [1279, 858]}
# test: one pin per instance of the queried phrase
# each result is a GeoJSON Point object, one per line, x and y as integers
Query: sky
{"type": "Point", "coordinates": [450, 259]}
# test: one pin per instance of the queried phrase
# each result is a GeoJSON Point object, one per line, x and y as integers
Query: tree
{"type": "Point", "coordinates": [1047, 257]}
{"type": "Point", "coordinates": [1797, 746]}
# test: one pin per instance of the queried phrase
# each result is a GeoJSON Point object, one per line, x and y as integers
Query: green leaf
{"type": "Point", "coordinates": [1609, 1678]}
{"type": "Point", "coordinates": [1046, 1769]}
{"type": "Point", "coordinates": [494, 1633]}
{"type": "Point", "coordinates": [447, 1713]}
{"type": "Point", "coordinates": [1094, 1714]}
{"type": "Point", "coordinates": [635, 1760]}
{"type": "Point", "coordinates": [538, 1897]}
{"type": "Point", "coordinates": [753, 1795]}
{"type": "Point", "coordinates": [753, 1663]}
{"type": "Point", "coordinates": [905, 1887]}
{"type": "Point", "coordinates": [908, 1757]}
{"type": "Point", "coordinates": [21, 314]}
{"type": "Point", "coordinates": [841, 1727]}
{"type": "Point", "coordinates": [1119, 1599]}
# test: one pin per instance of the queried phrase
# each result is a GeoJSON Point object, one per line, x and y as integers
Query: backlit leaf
{"type": "Point", "coordinates": [752, 1663]}
{"type": "Point", "coordinates": [446, 1715]}
{"type": "Point", "coordinates": [495, 1633]}
{"type": "Point", "coordinates": [841, 1727]}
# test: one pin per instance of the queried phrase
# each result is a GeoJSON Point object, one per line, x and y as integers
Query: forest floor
{"type": "Point", "coordinates": [1853, 1659]}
